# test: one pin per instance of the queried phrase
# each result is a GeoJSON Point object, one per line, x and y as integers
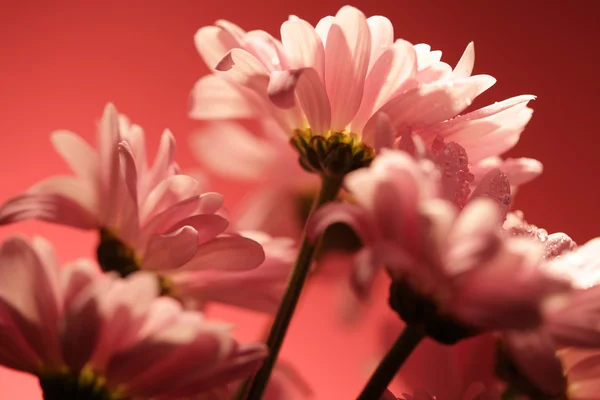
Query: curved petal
{"type": "Point", "coordinates": [162, 168]}
{"type": "Point", "coordinates": [323, 26]}
{"type": "Point", "coordinates": [212, 43]}
{"type": "Point", "coordinates": [333, 213]}
{"type": "Point", "coordinates": [495, 186]}
{"type": "Point", "coordinates": [171, 250]}
{"type": "Point", "coordinates": [242, 67]}
{"type": "Point", "coordinates": [347, 53]}
{"type": "Point", "coordinates": [227, 253]}
{"type": "Point", "coordinates": [207, 226]}
{"type": "Point", "coordinates": [474, 238]}
{"type": "Point", "coordinates": [390, 72]}
{"type": "Point", "coordinates": [77, 153]}
{"type": "Point", "coordinates": [183, 348]}
{"type": "Point", "coordinates": [167, 193]}
{"type": "Point", "coordinates": [464, 67]}
{"type": "Point", "coordinates": [30, 306]}
{"type": "Point", "coordinates": [382, 36]}
{"type": "Point", "coordinates": [53, 208]}
{"type": "Point", "coordinates": [535, 356]}
{"type": "Point", "coordinates": [430, 104]}
{"type": "Point", "coordinates": [108, 141]}
{"type": "Point", "coordinates": [303, 45]}
{"type": "Point", "coordinates": [216, 98]}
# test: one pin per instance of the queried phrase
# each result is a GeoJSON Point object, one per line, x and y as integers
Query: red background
{"type": "Point", "coordinates": [62, 61]}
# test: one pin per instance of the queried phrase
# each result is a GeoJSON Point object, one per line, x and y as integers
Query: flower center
{"type": "Point", "coordinates": [85, 386]}
{"type": "Point", "coordinates": [333, 155]}
{"type": "Point", "coordinates": [423, 313]}
{"type": "Point", "coordinates": [114, 255]}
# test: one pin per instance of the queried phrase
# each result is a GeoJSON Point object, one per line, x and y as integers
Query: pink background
{"type": "Point", "coordinates": [62, 61]}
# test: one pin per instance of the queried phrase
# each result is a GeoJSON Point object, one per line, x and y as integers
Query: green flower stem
{"type": "Point", "coordinates": [329, 190]}
{"type": "Point", "coordinates": [391, 363]}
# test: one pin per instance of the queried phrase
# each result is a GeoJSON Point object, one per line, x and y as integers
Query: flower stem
{"type": "Point", "coordinates": [391, 363]}
{"type": "Point", "coordinates": [510, 393]}
{"type": "Point", "coordinates": [329, 190]}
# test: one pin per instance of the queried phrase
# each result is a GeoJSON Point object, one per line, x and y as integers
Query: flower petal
{"type": "Point", "coordinates": [207, 226]}
{"type": "Point", "coordinates": [464, 67]}
{"type": "Point", "coordinates": [382, 36]}
{"type": "Point", "coordinates": [483, 301]}
{"type": "Point", "coordinates": [212, 43]}
{"type": "Point", "coordinates": [495, 185]}
{"type": "Point", "coordinates": [218, 143]}
{"type": "Point", "coordinates": [78, 154]}
{"type": "Point", "coordinates": [242, 67]}
{"type": "Point", "coordinates": [171, 250]}
{"type": "Point", "coordinates": [390, 72]}
{"type": "Point", "coordinates": [227, 252]}
{"type": "Point", "coordinates": [216, 98]}
{"type": "Point", "coordinates": [30, 306]}
{"type": "Point", "coordinates": [347, 53]}
{"type": "Point", "coordinates": [108, 141]}
{"type": "Point", "coordinates": [303, 45]}
{"type": "Point", "coordinates": [168, 193]}
{"type": "Point", "coordinates": [334, 213]}
{"type": "Point", "coordinates": [430, 104]}
{"type": "Point", "coordinates": [535, 356]}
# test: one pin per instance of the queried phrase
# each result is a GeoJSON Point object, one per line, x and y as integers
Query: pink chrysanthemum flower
{"type": "Point", "coordinates": [149, 218]}
{"type": "Point", "coordinates": [94, 336]}
{"type": "Point", "coordinates": [459, 263]}
{"type": "Point", "coordinates": [348, 80]}
{"type": "Point", "coordinates": [367, 72]}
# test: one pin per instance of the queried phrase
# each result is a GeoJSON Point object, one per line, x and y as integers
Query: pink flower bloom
{"type": "Point", "coordinates": [258, 289]}
{"type": "Point", "coordinates": [112, 333]}
{"type": "Point", "coordinates": [348, 75]}
{"type": "Point", "coordinates": [149, 217]}
{"type": "Point", "coordinates": [459, 261]}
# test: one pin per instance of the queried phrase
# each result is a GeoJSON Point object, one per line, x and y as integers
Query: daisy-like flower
{"type": "Point", "coordinates": [450, 270]}
{"type": "Point", "coordinates": [149, 218]}
{"type": "Point", "coordinates": [98, 337]}
{"type": "Point", "coordinates": [345, 88]}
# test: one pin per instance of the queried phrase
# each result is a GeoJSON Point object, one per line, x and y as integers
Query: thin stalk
{"type": "Point", "coordinates": [329, 190]}
{"type": "Point", "coordinates": [391, 363]}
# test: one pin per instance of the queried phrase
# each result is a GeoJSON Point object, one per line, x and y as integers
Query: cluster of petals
{"type": "Point", "coordinates": [258, 289]}
{"type": "Point", "coordinates": [75, 320]}
{"type": "Point", "coordinates": [562, 356]}
{"type": "Point", "coordinates": [463, 261]}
